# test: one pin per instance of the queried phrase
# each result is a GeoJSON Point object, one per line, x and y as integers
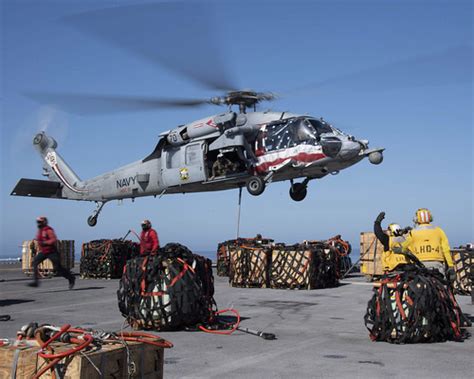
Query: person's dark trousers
{"type": "Point", "coordinates": [54, 258]}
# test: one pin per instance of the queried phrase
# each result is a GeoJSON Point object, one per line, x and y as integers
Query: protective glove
{"type": "Point", "coordinates": [380, 217]}
{"type": "Point", "coordinates": [451, 275]}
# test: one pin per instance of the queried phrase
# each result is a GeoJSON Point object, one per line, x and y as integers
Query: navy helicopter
{"type": "Point", "coordinates": [250, 148]}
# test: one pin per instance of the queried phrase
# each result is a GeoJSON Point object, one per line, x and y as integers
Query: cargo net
{"type": "Point", "coordinates": [249, 267]}
{"type": "Point", "coordinates": [167, 291]}
{"type": "Point", "coordinates": [292, 267]}
{"type": "Point", "coordinates": [414, 306]}
{"type": "Point", "coordinates": [325, 262]}
{"type": "Point", "coordinates": [463, 263]}
{"type": "Point", "coordinates": [106, 259]}
{"type": "Point", "coordinates": [225, 248]}
{"type": "Point", "coordinates": [343, 249]}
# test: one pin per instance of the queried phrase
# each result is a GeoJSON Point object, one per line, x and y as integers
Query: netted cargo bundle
{"type": "Point", "coordinates": [105, 259]}
{"type": "Point", "coordinates": [463, 259]}
{"type": "Point", "coordinates": [325, 270]}
{"type": "Point", "coordinates": [29, 249]}
{"type": "Point", "coordinates": [343, 249]}
{"type": "Point", "coordinates": [414, 306]}
{"type": "Point", "coordinates": [291, 267]}
{"type": "Point", "coordinates": [167, 291]}
{"type": "Point", "coordinates": [249, 266]}
{"type": "Point", "coordinates": [224, 249]}
{"type": "Point", "coordinates": [223, 257]}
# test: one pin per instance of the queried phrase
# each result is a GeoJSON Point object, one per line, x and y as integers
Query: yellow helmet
{"type": "Point", "coordinates": [423, 216]}
{"type": "Point", "coordinates": [394, 229]}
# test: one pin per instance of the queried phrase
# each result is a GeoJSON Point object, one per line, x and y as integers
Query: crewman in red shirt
{"type": "Point", "coordinates": [46, 239]}
{"type": "Point", "coordinates": [149, 243]}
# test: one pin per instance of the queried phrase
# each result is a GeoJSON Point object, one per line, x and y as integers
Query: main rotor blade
{"type": "Point", "coordinates": [452, 66]}
{"type": "Point", "coordinates": [84, 104]}
{"type": "Point", "coordinates": [177, 35]}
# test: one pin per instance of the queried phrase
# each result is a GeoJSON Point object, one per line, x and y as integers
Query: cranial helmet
{"type": "Point", "coordinates": [395, 229]}
{"type": "Point", "coordinates": [146, 224]}
{"type": "Point", "coordinates": [42, 221]}
{"type": "Point", "coordinates": [423, 216]}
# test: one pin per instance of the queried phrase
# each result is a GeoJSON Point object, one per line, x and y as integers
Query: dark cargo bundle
{"type": "Point", "coordinates": [249, 266]}
{"type": "Point", "coordinates": [325, 271]}
{"type": "Point", "coordinates": [414, 306]}
{"type": "Point", "coordinates": [106, 258]}
{"type": "Point", "coordinates": [463, 259]}
{"type": "Point", "coordinates": [224, 249]}
{"type": "Point", "coordinates": [167, 291]}
{"type": "Point", "coordinates": [343, 249]}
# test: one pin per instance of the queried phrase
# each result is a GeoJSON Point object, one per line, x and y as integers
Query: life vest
{"type": "Point", "coordinates": [149, 242]}
{"type": "Point", "coordinates": [391, 260]}
{"type": "Point", "coordinates": [46, 239]}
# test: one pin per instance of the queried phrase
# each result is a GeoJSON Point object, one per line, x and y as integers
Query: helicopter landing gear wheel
{"type": "Point", "coordinates": [255, 185]}
{"type": "Point", "coordinates": [92, 219]}
{"type": "Point", "coordinates": [298, 191]}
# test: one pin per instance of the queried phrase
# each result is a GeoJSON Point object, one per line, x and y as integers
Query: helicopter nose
{"type": "Point", "coordinates": [350, 149]}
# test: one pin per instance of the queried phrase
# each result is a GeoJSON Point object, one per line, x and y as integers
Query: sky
{"type": "Point", "coordinates": [398, 73]}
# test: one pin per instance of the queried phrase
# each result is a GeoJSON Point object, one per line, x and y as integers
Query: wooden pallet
{"type": "Point", "coordinates": [29, 250]}
{"type": "Point", "coordinates": [110, 359]}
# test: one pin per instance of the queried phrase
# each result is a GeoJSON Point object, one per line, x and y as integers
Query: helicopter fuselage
{"type": "Point", "coordinates": [255, 150]}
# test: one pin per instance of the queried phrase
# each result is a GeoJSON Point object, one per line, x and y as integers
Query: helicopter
{"type": "Point", "coordinates": [263, 147]}
{"type": "Point", "coordinates": [258, 147]}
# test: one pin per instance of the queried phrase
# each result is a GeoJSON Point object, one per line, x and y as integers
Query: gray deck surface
{"type": "Point", "coordinates": [320, 333]}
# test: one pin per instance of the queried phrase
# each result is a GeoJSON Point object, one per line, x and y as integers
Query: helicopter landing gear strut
{"type": "Point", "coordinates": [298, 191]}
{"type": "Point", "coordinates": [92, 219]}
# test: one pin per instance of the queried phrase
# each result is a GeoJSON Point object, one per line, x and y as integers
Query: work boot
{"type": "Point", "coordinates": [33, 284]}
{"type": "Point", "coordinates": [72, 282]}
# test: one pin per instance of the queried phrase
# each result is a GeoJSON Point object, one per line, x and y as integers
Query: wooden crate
{"type": "Point", "coordinates": [370, 254]}
{"type": "Point", "coordinates": [248, 267]}
{"type": "Point", "coordinates": [463, 260]}
{"type": "Point", "coordinates": [110, 360]}
{"type": "Point", "coordinates": [291, 268]}
{"type": "Point", "coordinates": [30, 248]}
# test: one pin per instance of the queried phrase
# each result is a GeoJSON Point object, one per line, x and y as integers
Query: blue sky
{"type": "Point", "coordinates": [420, 111]}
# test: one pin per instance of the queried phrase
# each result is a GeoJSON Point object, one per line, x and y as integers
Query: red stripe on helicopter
{"type": "Point", "coordinates": [208, 123]}
{"type": "Point", "coordinates": [65, 182]}
{"type": "Point", "coordinates": [301, 157]}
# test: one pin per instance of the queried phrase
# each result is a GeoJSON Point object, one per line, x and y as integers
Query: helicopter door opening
{"type": "Point", "coordinates": [184, 164]}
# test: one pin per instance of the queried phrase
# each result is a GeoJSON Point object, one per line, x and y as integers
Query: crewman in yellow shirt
{"type": "Point", "coordinates": [395, 235]}
{"type": "Point", "coordinates": [430, 244]}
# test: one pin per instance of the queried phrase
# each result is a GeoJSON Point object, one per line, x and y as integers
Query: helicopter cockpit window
{"type": "Point", "coordinates": [294, 132]}
{"type": "Point", "coordinates": [320, 127]}
{"type": "Point", "coordinates": [304, 133]}
{"type": "Point", "coordinates": [279, 137]}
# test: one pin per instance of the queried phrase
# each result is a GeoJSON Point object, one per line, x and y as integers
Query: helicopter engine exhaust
{"type": "Point", "coordinates": [43, 142]}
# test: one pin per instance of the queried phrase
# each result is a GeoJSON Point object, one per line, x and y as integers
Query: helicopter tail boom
{"type": "Point", "coordinates": [55, 168]}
